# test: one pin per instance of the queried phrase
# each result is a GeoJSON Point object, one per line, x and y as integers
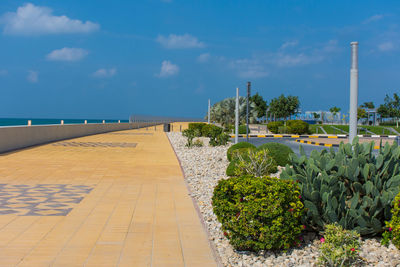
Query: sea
{"type": "Point", "coordinates": [35, 121]}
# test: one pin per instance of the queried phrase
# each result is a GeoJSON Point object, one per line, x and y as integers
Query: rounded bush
{"type": "Point", "coordinates": [273, 126]}
{"type": "Point", "coordinates": [298, 127]}
{"type": "Point", "coordinates": [230, 170]}
{"type": "Point", "coordinates": [243, 152]}
{"type": "Point", "coordinates": [279, 152]}
{"type": "Point", "coordinates": [238, 146]}
{"type": "Point", "coordinates": [259, 213]}
{"type": "Point", "coordinates": [242, 129]}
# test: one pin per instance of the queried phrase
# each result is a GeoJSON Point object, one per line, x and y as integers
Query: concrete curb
{"type": "Point", "coordinates": [342, 136]}
{"type": "Point", "coordinates": [322, 144]}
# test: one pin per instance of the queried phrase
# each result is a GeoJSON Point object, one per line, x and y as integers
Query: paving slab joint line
{"type": "Point", "coordinates": [104, 226]}
{"type": "Point", "coordinates": [80, 225]}
{"type": "Point", "coordinates": [217, 258]}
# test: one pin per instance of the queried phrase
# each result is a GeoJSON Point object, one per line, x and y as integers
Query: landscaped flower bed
{"type": "Point", "coordinates": [205, 166]}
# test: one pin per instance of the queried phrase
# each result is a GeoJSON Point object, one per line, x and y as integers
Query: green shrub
{"type": "Point", "coordinates": [273, 126]}
{"type": "Point", "coordinates": [393, 226]}
{"type": "Point", "coordinates": [242, 129]}
{"type": "Point", "coordinates": [298, 127]}
{"type": "Point", "coordinates": [229, 128]}
{"type": "Point", "coordinates": [256, 163]}
{"type": "Point", "coordinates": [197, 127]}
{"type": "Point", "coordinates": [190, 134]}
{"type": "Point", "coordinates": [283, 130]}
{"type": "Point", "coordinates": [198, 143]}
{"type": "Point", "coordinates": [230, 170]}
{"type": "Point", "coordinates": [238, 146]}
{"type": "Point", "coordinates": [219, 140]}
{"type": "Point", "coordinates": [258, 213]}
{"type": "Point", "coordinates": [339, 247]}
{"type": "Point", "coordinates": [242, 152]}
{"type": "Point", "coordinates": [206, 130]}
{"type": "Point", "coordinates": [353, 186]}
{"type": "Point", "coordinates": [279, 152]}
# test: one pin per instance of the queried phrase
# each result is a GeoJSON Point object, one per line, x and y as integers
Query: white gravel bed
{"type": "Point", "coordinates": [204, 166]}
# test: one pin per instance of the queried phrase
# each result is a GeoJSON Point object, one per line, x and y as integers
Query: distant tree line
{"type": "Point", "coordinates": [282, 107]}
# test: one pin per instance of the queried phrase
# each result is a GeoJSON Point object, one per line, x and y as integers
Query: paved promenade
{"type": "Point", "coordinates": [115, 199]}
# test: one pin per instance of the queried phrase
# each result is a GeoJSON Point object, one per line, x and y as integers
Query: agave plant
{"type": "Point", "coordinates": [353, 187]}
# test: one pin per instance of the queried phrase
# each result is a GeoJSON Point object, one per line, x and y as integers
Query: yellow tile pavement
{"type": "Point", "coordinates": [138, 212]}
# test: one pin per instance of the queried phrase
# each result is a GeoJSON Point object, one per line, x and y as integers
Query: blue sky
{"type": "Point", "coordinates": [110, 59]}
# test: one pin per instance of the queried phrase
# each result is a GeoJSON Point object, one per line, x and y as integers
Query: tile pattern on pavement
{"type": "Point", "coordinates": [40, 199]}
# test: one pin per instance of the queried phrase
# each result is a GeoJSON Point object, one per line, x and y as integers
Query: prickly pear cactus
{"type": "Point", "coordinates": [353, 187]}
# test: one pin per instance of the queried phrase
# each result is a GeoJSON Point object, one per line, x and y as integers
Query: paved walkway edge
{"type": "Point", "coordinates": [212, 246]}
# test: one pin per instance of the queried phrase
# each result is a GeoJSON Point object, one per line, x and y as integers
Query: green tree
{"type": "Point", "coordinates": [383, 111]}
{"type": "Point", "coordinates": [334, 110]}
{"type": "Point", "coordinates": [260, 105]}
{"type": "Point", "coordinates": [394, 107]}
{"type": "Point", "coordinates": [391, 108]}
{"type": "Point", "coordinates": [316, 115]}
{"type": "Point", "coordinates": [283, 107]}
{"type": "Point", "coordinates": [368, 105]}
{"type": "Point", "coordinates": [224, 111]}
{"type": "Point", "coordinates": [361, 113]}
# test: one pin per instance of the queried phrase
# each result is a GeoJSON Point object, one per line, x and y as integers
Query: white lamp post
{"type": "Point", "coordinates": [353, 91]}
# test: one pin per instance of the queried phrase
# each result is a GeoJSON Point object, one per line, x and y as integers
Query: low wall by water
{"type": "Point", "coordinates": [17, 137]}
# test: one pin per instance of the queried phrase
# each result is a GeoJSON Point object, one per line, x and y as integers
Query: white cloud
{"type": "Point", "coordinates": [249, 68]}
{"type": "Point", "coordinates": [105, 73]}
{"type": "Point", "coordinates": [386, 46]}
{"type": "Point", "coordinates": [36, 20]}
{"type": "Point", "coordinates": [168, 69]}
{"type": "Point", "coordinates": [292, 60]}
{"type": "Point", "coordinates": [203, 57]}
{"type": "Point", "coordinates": [33, 76]}
{"type": "Point", "coordinates": [174, 41]}
{"type": "Point", "coordinates": [67, 54]}
{"type": "Point", "coordinates": [3, 72]}
{"type": "Point", "coordinates": [260, 65]}
{"type": "Point", "coordinates": [289, 44]}
{"type": "Point", "coordinates": [373, 18]}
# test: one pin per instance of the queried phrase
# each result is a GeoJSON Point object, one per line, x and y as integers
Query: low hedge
{"type": "Point", "coordinates": [197, 127]}
{"type": "Point", "coordinates": [259, 213]}
{"type": "Point", "coordinates": [279, 152]}
{"type": "Point", "coordinates": [273, 126]}
{"type": "Point", "coordinates": [242, 129]}
{"type": "Point", "coordinates": [238, 146]}
{"type": "Point", "coordinates": [298, 127]}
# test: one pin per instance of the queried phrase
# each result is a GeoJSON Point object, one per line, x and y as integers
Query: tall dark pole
{"type": "Point", "coordinates": [247, 111]}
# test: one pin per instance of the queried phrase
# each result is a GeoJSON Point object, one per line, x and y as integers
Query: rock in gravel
{"type": "Point", "coordinates": [205, 166]}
